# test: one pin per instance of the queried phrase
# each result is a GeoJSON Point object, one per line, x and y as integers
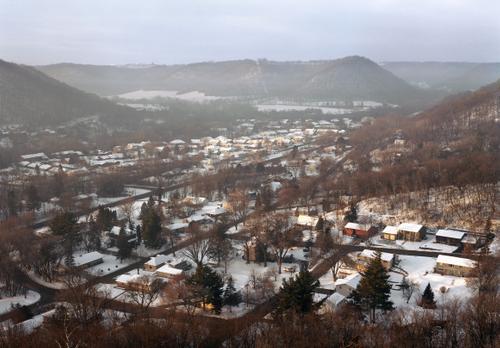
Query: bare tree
{"type": "Point", "coordinates": [200, 247]}
{"type": "Point", "coordinates": [146, 291]}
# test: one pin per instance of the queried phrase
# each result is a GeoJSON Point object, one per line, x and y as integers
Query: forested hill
{"type": "Point", "coordinates": [350, 78]}
{"type": "Point", "coordinates": [30, 97]}
{"type": "Point", "coordinates": [453, 77]}
{"type": "Point", "coordinates": [457, 142]}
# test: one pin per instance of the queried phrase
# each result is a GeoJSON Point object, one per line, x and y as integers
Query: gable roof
{"type": "Point", "coordinates": [450, 234]}
{"type": "Point", "coordinates": [457, 261]}
{"type": "Point", "coordinates": [410, 227]}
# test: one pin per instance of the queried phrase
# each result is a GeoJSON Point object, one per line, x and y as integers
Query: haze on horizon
{"type": "Point", "coordinates": [125, 31]}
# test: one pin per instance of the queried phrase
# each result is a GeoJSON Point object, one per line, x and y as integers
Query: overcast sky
{"type": "Point", "coordinates": [181, 31]}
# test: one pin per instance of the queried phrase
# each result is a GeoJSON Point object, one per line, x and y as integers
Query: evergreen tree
{"type": "Point", "coordinates": [64, 224]}
{"type": "Point", "coordinates": [12, 204]}
{"type": "Point", "coordinates": [105, 218]}
{"type": "Point", "coordinates": [352, 214]}
{"type": "Point", "coordinates": [320, 224]}
{"type": "Point", "coordinates": [373, 291]}
{"type": "Point", "coordinates": [33, 198]}
{"type": "Point", "coordinates": [94, 235]}
{"type": "Point", "coordinates": [325, 241]}
{"type": "Point", "coordinates": [138, 233]}
{"type": "Point", "coordinates": [124, 247]}
{"type": "Point", "coordinates": [144, 210]}
{"type": "Point", "coordinates": [428, 297]}
{"type": "Point", "coordinates": [207, 287]}
{"type": "Point", "coordinates": [297, 293]}
{"type": "Point", "coordinates": [151, 229]}
{"type": "Point", "coordinates": [151, 202]}
{"type": "Point", "coordinates": [232, 298]}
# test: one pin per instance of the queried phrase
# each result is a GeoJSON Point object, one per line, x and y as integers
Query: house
{"type": "Point", "coordinates": [181, 263]}
{"type": "Point", "coordinates": [135, 281]}
{"type": "Point", "coordinates": [178, 227]}
{"type": "Point", "coordinates": [367, 255]}
{"type": "Point", "coordinates": [168, 271]}
{"type": "Point", "coordinates": [354, 229]}
{"type": "Point", "coordinates": [346, 285]}
{"type": "Point", "coordinates": [307, 221]}
{"type": "Point", "coordinates": [411, 232]}
{"type": "Point", "coordinates": [469, 243]}
{"type": "Point", "coordinates": [450, 237]}
{"type": "Point", "coordinates": [455, 266]}
{"type": "Point", "coordinates": [89, 259]}
{"type": "Point", "coordinates": [335, 301]}
{"type": "Point", "coordinates": [155, 262]}
{"type": "Point", "coordinates": [390, 233]}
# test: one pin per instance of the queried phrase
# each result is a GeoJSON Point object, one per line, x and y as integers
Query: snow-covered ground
{"type": "Point", "coordinates": [428, 244]}
{"type": "Point", "coordinates": [110, 264]}
{"type": "Point", "coordinates": [7, 303]}
{"type": "Point", "coordinates": [193, 96]}
{"type": "Point", "coordinates": [284, 107]}
{"type": "Point", "coordinates": [421, 270]}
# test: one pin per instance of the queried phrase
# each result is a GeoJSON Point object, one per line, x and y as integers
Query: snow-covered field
{"type": "Point", "coordinates": [110, 264]}
{"type": "Point", "coordinates": [7, 303]}
{"type": "Point", "coordinates": [193, 96]}
{"type": "Point", "coordinates": [284, 107]}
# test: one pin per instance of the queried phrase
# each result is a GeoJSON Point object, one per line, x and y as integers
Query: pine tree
{"type": "Point", "coordinates": [297, 293]}
{"type": "Point", "coordinates": [124, 247]}
{"type": "Point", "coordinates": [151, 229]}
{"type": "Point", "coordinates": [12, 204]}
{"type": "Point", "coordinates": [94, 235]}
{"type": "Point", "coordinates": [138, 233]}
{"type": "Point", "coordinates": [320, 224]}
{"type": "Point", "coordinates": [33, 198]}
{"type": "Point", "coordinates": [232, 298]}
{"type": "Point", "coordinates": [208, 287]}
{"type": "Point", "coordinates": [144, 209]}
{"type": "Point", "coordinates": [352, 215]}
{"type": "Point", "coordinates": [373, 291]}
{"type": "Point", "coordinates": [428, 297]}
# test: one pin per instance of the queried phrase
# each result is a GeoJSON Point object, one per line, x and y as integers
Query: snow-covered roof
{"type": "Point", "coordinates": [177, 226]}
{"type": "Point", "coordinates": [177, 142]}
{"type": "Point", "coordinates": [157, 260]}
{"type": "Point", "coordinates": [132, 278]}
{"type": "Point", "coordinates": [87, 258]}
{"type": "Point", "coordinates": [410, 227]}
{"type": "Point", "coordinates": [34, 155]}
{"type": "Point", "coordinates": [356, 226]}
{"type": "Point", "coordinates": [457, 261]}
{"type": "Point", "coordinates": [352, 280]}
{"type": "Point", "coordinates": [335, 299]}
{"type": "Point", "coordinates": [450, 234]}
{"type": "Point", "coordinates": [167, 269]}
{"type": "Point", "coordinates": [371, 254]}
{"type": "Point", "coordinates": [198, 217]}
{"type": "Point", "coordinates": [390, 230]}
{"type": "Point", "coordinates": [306, 220]}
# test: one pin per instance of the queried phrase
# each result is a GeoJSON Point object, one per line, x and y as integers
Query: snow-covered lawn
{"type": "Point", "coordinates": [110, 264]}
{"type": "Point", "coordinates": [6, 303]}
{"type": "Point", "coordinates": [37, 279]}
{"type": "Point", "coordinates": [421, 270]}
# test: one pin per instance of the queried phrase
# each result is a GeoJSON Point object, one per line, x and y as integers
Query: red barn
{"type": "Point", "coordinates": [354, 229]}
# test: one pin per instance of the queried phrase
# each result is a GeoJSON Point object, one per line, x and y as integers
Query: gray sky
{"type": "Point", "coordinates": [181, 31]}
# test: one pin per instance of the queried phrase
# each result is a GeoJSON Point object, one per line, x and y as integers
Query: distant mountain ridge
{"type": "Point", "coordinates": [350, 78]}
{"type": "Point", "coordinates": [450, 76]}
{"type": "Point", "coordinates": [28, 96]}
